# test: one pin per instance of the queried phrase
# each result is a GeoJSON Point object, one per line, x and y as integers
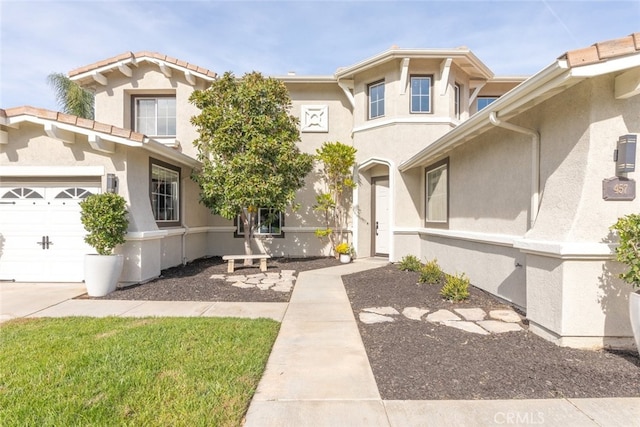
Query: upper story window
{"type": "Point", "coordinates": [483, 101]}
{"type": "Point", "coordinates": [421, 94]}
{"type": "Point", "coordinates": [456, 101]}
{"type": "Point", "coordinates": [437, 197]}
{"type": "Point", "coordinates": [165, 193]}
{"type": "Point", "coordinates": [376, 100]}
{"type": "Point", "coordinates": [155, 116]}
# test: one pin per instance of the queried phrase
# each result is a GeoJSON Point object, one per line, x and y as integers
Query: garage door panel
{"type": "Point", "coordinates": [24, 222]}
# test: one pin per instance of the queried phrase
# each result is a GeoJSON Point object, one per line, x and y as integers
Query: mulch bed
{"type": "Point", "coordinates": [419, 360]}
{"type": "Point", "coordinates": [193, 282]}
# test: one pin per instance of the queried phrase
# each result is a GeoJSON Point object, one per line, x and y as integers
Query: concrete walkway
{"type": "Point", "coordinates": [318, 373]}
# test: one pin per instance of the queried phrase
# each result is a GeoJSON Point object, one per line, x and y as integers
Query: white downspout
{"type": "Point", "coordinates": [535, 163]}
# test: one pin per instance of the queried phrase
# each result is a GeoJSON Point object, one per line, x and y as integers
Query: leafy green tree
{"type": "Point", "coordinates": [337, 160]}
{"type": "Point", "coordinates": [628, 251]}
{"type": "Point", "coordinates": [247, 146]}
{"type": "Point", "coordinates": [71, 98]}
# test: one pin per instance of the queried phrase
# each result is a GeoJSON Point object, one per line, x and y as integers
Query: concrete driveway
{"type": "Point", "coordinates": [24, 299]}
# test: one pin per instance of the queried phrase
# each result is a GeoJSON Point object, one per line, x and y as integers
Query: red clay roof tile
{"type": "Point", "coordinates": [72, 120]}
{"type": "Point", "coordinates": [603, 51]}
{"type": "Point", "coordinates": [138, 55]}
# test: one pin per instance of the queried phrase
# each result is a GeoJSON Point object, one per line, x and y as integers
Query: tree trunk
{"type": "Point", "coordinates": [248, 234]}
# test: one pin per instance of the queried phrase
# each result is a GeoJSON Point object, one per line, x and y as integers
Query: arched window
{"type": "Point", "coordinates": [22, 193]}
{"type": "Point", "coordinates": [74, 193]}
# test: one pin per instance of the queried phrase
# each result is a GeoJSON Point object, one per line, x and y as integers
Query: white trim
{"type": "Point", "coordinates": [566, 250]}
{"type": "Point", "coordinates": [20, 171]}
{"type": "Point", "coordinates": [175, 231]}
{"type": "Point", "coordinates": [306, 229]}
{"type": "Point", "coordinates": [222, 229]}
{"type": "Point", "coordinates": [146, 235]}
{"type": "Point", "coordinates": [376, 123]}
{"type": "Point", "coordinates": [552, 249]}
{"type": "Point", "coordinates": [472, 236]}
{"type": "Point", "coordinates": [198, 230]}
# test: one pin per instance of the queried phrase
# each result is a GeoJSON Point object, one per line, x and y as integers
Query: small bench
{"type": "Point", "coordinates": [232, 259]}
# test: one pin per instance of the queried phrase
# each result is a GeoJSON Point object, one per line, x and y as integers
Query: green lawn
{"type": "Point", "coordinates": [131, 371]}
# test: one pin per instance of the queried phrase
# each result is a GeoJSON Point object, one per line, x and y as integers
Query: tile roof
{"type": "Point", "coordinates": [140, 55]}
{"type": "Point", "coordinates": [602, 51]}
{"type": "Point", "coordinates": [72, 120]}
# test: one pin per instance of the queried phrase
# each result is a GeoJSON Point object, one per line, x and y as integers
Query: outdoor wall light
{"type": "Point", "coordinates": [112, 183]}
{"type": "Point", "coordinates": [625, 154]}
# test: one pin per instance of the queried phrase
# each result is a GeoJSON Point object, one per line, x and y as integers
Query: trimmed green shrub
{"type": "Point", "coordinates": [431, 272]}
{"type": "Point", "coordinates": [628, 251]}
{"type": "Point", "coordinates": [455, 288]}
{"type": "Point", "coordinates": [410, 263]}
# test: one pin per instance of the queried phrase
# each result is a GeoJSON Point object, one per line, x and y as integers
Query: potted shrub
{"type": "Point", "coordinates": [345, 251]}
{"type": "Point", "coordinates": [104, 216]}
{"type": "Point", "coordinates": [628, 253]}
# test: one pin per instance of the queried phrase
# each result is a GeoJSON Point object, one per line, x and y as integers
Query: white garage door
{"type": "Point", "coordinates": [41, 236]}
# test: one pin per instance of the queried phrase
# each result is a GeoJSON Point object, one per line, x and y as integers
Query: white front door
{"type": "Point", "coordinates": [381, 216]}
{"type": "Point", "coordinates": [41, 236]}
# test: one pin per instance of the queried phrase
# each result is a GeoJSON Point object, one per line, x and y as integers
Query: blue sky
{"type": "Point", "coordinates": [512, 37]}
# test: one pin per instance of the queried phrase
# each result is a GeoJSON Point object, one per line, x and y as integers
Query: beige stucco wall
{"type": "Point", "coordinates": [149, 248]}
{"type": "Point", "coordinates": [572, 295]}
{"type": "Point", "coordinates": [113, 103]}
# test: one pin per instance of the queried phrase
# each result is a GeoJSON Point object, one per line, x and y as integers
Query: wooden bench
{"type": "Point", "coordinates": [232, 259]}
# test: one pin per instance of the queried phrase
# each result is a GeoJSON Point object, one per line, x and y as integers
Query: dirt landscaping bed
{"type": "Point", "coordinates": [421, 360]}
{"type": "Point", "coordinates": [193, 281]}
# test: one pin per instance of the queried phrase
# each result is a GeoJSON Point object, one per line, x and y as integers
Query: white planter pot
{"type": "Point", "coordinates": [634, 314]}
{"type": "Point", "coordinates": [345, 258]}
{"type": "Point", "coordinates": [101, 273]}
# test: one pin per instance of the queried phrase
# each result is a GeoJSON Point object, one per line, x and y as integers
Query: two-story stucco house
{"type": "Point", "coordinates": [497, 177]}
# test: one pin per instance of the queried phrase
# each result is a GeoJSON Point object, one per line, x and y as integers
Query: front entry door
{"type": "Point", "coordinates": [381, 216]}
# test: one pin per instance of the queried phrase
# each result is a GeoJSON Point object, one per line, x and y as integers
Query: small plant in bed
{"type": "Point", "coordinates": [409, 263]}
{"type": "Point", "coordinates": [431, 273]}
{"type": "Point", "coordinates": [455, 288]}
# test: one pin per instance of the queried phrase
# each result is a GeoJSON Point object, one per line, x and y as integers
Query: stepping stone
{"type": "Point", "coordinates": [498, 327]}
{"type": "Point", "coordinates": [243, 285]}
{"type": "Point", "coordinates": [465, 326]}
{"type": "Point", "coordinates": [509, 316]}
{"type": "Point", "coordinates": [256, 276]}
{"type": "Point", "coordinates": [370, 318]}
{"type": "Point", "coordinates": [280, 288]}
{"type": "Point", "coordinates": [472, 314]}
{"type": "Point", "coordinates": [264, 286]}
{"type": "Point", "coordinates": [253, 281]}
{"type": "Point", "coordinates": [442, 316]}
{"type": "Point", "coordinates": [414, 313]}
{"type": "Point", "coordinates": [381, 310]}
{"type": "Point", "coordinates": [273, 275]}
{"type": "Point", "coordinates": [287, 272]}
{"type": "Point", "coordinates": [217, 277]}
{"type": "Point", "coordinates": [271, 281]}
{"type": "Point", "coordinates": [236, 279]}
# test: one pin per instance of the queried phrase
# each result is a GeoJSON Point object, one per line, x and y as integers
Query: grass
{"type": "Point", "coordinates": [123, 371]}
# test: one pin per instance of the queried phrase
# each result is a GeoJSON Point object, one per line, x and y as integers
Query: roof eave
{"type": "Point", "coordinates": [550, 77]}
{"type": "Point", "coordinates": [391, 54]}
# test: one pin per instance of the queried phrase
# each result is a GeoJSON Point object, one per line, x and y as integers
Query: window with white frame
{"type": "Point", "coordinates": [267, 222]}
{"type": "Point", "coordinates": [376, 100]}
{"type": "Point", "coordinates": [155, 116]}
{"type": "Point", "coordinates": [165, 193]}
{"type": "Point", "coordinates": [420, 94]}
{"type": "Point", "coordinates": [437, 197]}
{"type": "Point", "coordinates": [484, 101]}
